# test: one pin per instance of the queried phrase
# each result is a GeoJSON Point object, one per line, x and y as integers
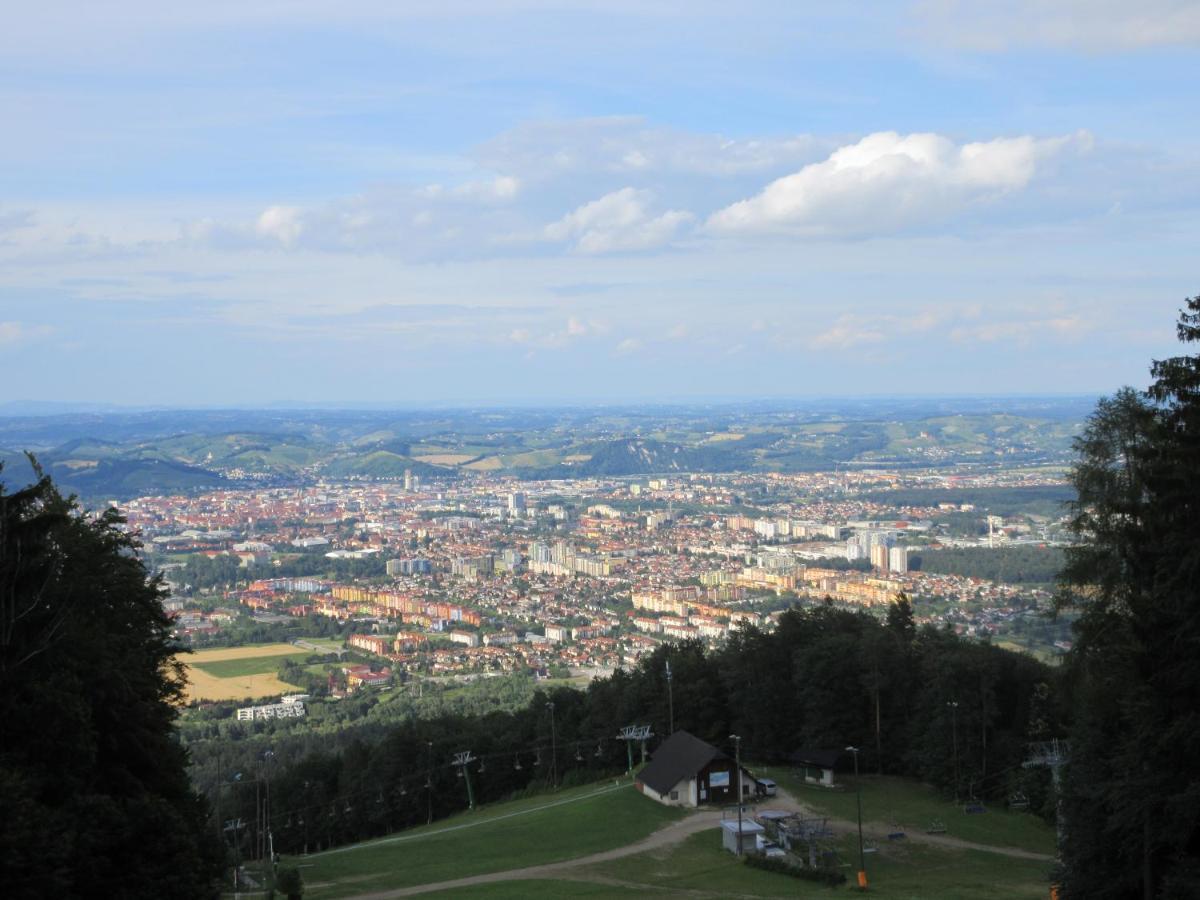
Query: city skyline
{"type": "Point", "coordinates": [553, 203]}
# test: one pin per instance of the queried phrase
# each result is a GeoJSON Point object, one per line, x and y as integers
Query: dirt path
{"type": "Point", "coordinates": [675, 833]}
{"type": "Point", "coordinates": [664, 837]}
{"type": "Point", "coordinates": [878, 831]}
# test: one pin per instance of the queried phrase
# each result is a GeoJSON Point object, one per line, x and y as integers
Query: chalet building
{"type": "Point", "coordinates": [686, 771]}
{"type": "Point", "coordinates": [816, 766]}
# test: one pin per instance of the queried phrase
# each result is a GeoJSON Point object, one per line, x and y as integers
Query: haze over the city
{"type": "Point", "coordinates": [535, 201]}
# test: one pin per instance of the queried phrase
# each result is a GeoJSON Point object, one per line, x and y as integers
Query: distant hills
{"type": "Point", "coordinates": [102, 455]}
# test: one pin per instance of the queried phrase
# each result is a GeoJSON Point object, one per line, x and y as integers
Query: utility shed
{"type": "Point", "coordinates": [686, 771]}
{"type": "Point", "coordinates": [816, 766]}
{"type": "Point", "coordinates": [751, 831]}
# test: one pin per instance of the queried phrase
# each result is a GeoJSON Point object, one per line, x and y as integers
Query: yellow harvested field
{"type": "Point", "coordinates": [446, 459]}
{"type": "Point", "coordinates": [252, 652]}
{"type": "Point", "coordinates": [725, 436]}
{"type": "Point", "coordinates": [577, 457]}
{"type": "Point", "coordinates": [202, 686]}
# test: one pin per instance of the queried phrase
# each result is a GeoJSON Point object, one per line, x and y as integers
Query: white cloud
{"type": "Point", "coordinates": [629, 145]}
{"type": "Point", "coordinates": [576, 328]}
{"type": "Point", "coordinates": [619, 221]}
{"type": "Point", "coordinates": [1023, 331]}
{"type": "Point", "coordinates": [887, 182]}
{"type": "Point", "coordinates": [280, 223]}
{"type": "Point", "coordinates": [1093, 25]}
{"type": "Point", "coordinates": [628, 346]}
{"type": "Point", "coordinates": [16, 332]}
{"type": "Point", "coordinates": [848, 331]}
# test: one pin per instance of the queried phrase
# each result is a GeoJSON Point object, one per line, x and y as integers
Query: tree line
{"type": "Point", "coordinates": [921, 702]}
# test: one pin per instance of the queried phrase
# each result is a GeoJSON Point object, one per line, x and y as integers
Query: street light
{"type": "Point", "coordinates": [854, 750]}
{"type": "Point", "coordinates": [862, 854]}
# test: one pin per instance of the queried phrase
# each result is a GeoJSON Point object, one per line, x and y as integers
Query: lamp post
{"type": "Point", "coordinates": [553, 749]}
{"type": "Point", "coordinates": [953, 705]}
{"type": "Point", "coordinates": [737, 755]}
{"type": "Point", "coordinates": [862, 854]}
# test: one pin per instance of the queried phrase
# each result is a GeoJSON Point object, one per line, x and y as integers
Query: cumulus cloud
{"type": "Point", "coordinates": [887, 182]}
{"type": "Point", "coordinates": [1094, 25]}
{"type": "Point", "coordinates": [628, 346]}
{"type": "Point", "coordinates": [620, 221]}
{"type": "Point", "coordinates": [281, 223]}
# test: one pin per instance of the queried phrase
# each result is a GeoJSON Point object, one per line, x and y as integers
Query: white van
{"type": "Point", "coordinates": [767, 788]}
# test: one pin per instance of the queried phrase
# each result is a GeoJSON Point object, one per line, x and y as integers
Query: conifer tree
{"type": "Point", "coordinates": [93, 783]}
{"type": "Point", "coordinates": [1132, 792]}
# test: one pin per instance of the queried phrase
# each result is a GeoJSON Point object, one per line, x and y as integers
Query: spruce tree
{"type": "Point", "coordinates": [93, 784]}
{"type": "Point", "coordinates": [1132, 790]}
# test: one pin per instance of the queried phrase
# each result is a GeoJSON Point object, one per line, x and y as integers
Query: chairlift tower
{"type": "Point", "coordinates": [462, 760]}
{"type": "Point", "coordinates": [1053, 754]}
{"type": "Point", "coordinates": [631, 733]}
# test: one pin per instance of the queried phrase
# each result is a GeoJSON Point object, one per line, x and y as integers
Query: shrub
{"type": "Point", "coordinates": [826, 877]}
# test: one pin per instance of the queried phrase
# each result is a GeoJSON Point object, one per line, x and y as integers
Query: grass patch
{"type": "Point", "coordinates": [700, 863]}
{"type": "Point", "coordinates": [259, 665]}
{"type": "Point", "coordinates": [910, 871]}
{"type": "Point", "coordinates": [542, 829]}
{"type": "Point", "coordinates": [887, 800]}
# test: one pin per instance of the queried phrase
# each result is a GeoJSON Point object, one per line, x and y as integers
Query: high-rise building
{"type": "Point", "coordinates": [879, 556]}
{"type": "Point", "coordinates": [516, 504]}
{"type": "Point", "coordinates": [898, 559]}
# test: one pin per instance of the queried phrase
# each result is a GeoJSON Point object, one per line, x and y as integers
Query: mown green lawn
{"type": "Point", "coordinates": [542, 829]}
{"type": "Point", "coordinates": [253, 665]}
{"type": "Point", "coordinates": [902, 871]}
{"type": "Point", "coordinates": [915, 806]}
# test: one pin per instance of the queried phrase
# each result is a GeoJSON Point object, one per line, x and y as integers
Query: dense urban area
{"type": "Point", "coordinates": [465, 579]}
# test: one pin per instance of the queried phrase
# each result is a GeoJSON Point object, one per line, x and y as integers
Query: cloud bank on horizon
{"type": "Point", "coordinates": [592, 201]}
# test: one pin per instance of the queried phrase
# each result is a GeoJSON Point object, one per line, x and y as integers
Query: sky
{"type": "Point", "coordinates": [523, 201]}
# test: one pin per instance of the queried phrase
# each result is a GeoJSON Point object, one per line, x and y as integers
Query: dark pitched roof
{"type": "Point", "coordinates": [821, 759]}
{"type": "Point", "coordinates": [679, 756]}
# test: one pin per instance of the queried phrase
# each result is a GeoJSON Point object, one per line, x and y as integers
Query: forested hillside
{"type": "Point", "coordinates": [825, 678]}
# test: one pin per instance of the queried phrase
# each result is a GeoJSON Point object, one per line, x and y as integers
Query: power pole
{"type": "Point", "coordinates": [461, 760]}
{"type": "Point", "coordinates": [670, 702]}
{"type": "Point", "coordinates": [429, 784]}
{"type": "Point", "coordinates": [737, 755]}
{"type": "Point", "coordinates": [553, 749]}
{"type": "Point", "coordinates": [862, 857]}
{"type": "Point", "coordinates": [953, 705]}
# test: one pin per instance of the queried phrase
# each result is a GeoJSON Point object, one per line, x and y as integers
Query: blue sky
{"type": "Point", "coordinates": [233, 203]}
